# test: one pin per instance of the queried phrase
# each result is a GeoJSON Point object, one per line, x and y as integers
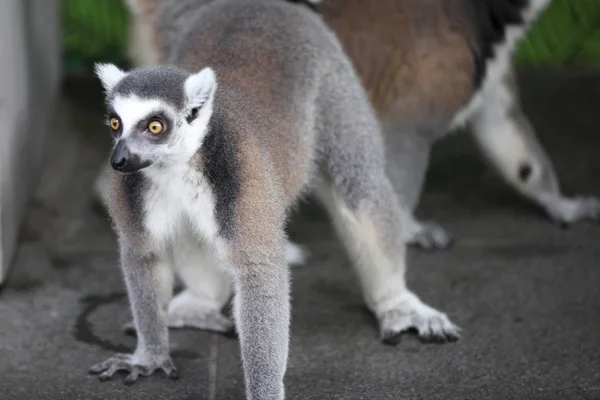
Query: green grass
{"type": "Point", "coordinates": [93, 30]}
{"type": "Point", "coordinates": [568, 33]}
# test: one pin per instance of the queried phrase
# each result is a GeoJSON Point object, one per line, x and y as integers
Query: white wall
{"type": "Point", "coordinates": [29, 73]}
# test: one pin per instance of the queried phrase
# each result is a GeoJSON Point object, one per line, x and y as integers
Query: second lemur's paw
{"type": "Point", "coordinates": [410, 313]}
{"type": "Point", "coordinates": [430, 236]}
{"type": "Point", "coordinates": [136, 365]}
{"type": "Point", "coordinates": [189, 311]}
{"type": "Point", "coordinates": [564, 211]}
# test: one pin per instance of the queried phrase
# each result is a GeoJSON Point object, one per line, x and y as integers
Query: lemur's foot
{"type": "Point", "coordinates": [430, 236]}
{"type": "Point", "coordinates": [187, 310]}
{"type": "Point", "coordinates": [410, 313]}
{"type": "Point", "coordinates": [564, 211]}
{"type": "Point", "coordinates": [136, 365]}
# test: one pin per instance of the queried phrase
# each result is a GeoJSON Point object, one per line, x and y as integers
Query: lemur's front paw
{"type": "Point", "coordinates": [430, 236]}
{"type": "Point", "coordinates": [136, 366]}
{"type": "Point", "coordinates": [564, 211]}
{"type": "Point", "coordinates": [411, 313]}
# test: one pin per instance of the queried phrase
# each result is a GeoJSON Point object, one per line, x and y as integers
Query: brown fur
{"type": "Point", "coordinates": [290, 153]}
{"type": "Point", "coordinates": [414, 56]}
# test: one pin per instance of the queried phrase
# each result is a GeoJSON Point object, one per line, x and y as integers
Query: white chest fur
{"type": "Point", "coordinates": [179, 198]}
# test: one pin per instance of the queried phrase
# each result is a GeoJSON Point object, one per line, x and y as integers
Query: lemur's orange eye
{"type": "Point", "coordinates": [115, 124]}
{"type": "Point", "coordinates": [155, 127]}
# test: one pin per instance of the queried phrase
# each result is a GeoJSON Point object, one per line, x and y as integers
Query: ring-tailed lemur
{"type": "Point", "coordinates": [429, 67]}
{"type": "Point", "coordinates": [206, 166]}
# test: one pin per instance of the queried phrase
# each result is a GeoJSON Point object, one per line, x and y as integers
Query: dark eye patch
{"type": "Point", "coordinates": [110, 115]}
{"type": "Point", "coordinates": [163, 118]}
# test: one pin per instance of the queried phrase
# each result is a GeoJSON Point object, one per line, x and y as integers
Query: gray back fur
{"type": "Point", "coordinates": [274, 92]}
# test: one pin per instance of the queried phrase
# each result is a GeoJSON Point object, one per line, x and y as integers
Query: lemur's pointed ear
{"type": "Point", "coordinates": [200, 88]}
{"type": "Point", "coordinates": [109, 75]}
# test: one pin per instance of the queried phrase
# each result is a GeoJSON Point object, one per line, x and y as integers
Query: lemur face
{"type": "Point", "coordinates": [145, 131]}
{"type": "Point", "coordinates": [157, 116]}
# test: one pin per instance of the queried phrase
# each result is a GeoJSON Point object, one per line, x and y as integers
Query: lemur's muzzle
{"type": "Point", "coordinates": [123, 161]}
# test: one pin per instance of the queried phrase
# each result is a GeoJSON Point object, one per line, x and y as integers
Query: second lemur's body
{"type": "Point", "coordinates": [430, 66]}
{"type": "Point", "coordinates": [208, 165]}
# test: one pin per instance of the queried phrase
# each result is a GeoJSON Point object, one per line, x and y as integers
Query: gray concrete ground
{"type": "Point", "coordinates": [526, 293]}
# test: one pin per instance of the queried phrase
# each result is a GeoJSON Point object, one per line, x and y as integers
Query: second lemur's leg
{"type": "Point", "coordinates": [149, 281]}
{"type": "Point", "coordinates": [508, 140]}
{"type": "Point", "coordinates": [407, 157]}
{"type": "Point", "coordinates": [371, 228]}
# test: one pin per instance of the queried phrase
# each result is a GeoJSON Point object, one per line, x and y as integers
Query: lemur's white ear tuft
{"type": "Point", "coordinates": [200, 88]}
{"type": "Point", "coordinates": [109, 75]}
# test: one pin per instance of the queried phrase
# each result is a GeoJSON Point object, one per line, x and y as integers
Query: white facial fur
{"type": "Point", "coordinates": [181, 139]}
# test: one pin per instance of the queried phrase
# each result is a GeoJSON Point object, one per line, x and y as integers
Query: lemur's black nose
{"type": "Point", "coordinates": [120, 155]}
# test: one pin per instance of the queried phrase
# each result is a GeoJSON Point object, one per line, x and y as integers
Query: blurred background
{"type": "Point", "coordinates": [567, 34]}
{"type": "Point", "coordinates": [54, 41]}
{"type": "Point", "coordinates": [525, 292]}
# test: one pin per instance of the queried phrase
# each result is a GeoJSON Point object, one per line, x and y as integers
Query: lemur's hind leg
{"type": "Point", "coordinates": [508, 140]}
{"type": "Point", "coordinates": [369, 218]}
{"type": "Point", "coordinates": [371, 229]}
{"type": "Point", "coordinates": [407, 158]}
{"type": "Point", "coordinates": [207, 289]}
